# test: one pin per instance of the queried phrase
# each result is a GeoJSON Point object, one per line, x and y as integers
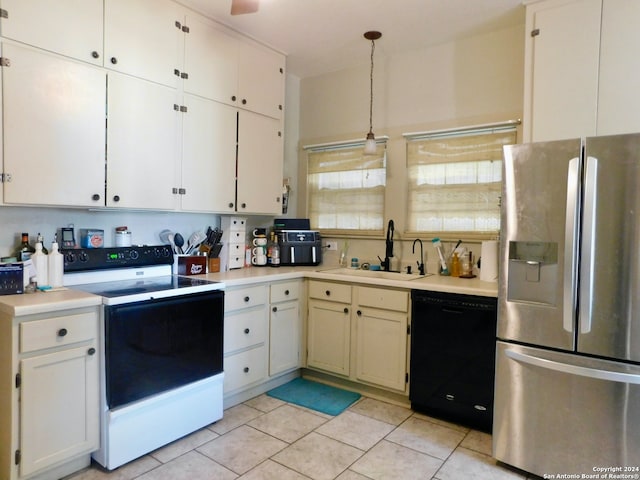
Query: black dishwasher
{"type": "Point", "coordinates": [453, 341]}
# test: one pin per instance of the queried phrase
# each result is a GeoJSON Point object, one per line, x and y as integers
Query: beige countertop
{"type": "Point", "coordinates": [48, 301]}
{"type": "Point", "coordinates": [435, 283]}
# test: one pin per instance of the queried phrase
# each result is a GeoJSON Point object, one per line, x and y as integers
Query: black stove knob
{"type": "Point", "coordinates": [69, 257]}
{"type": "Point", "coordinates": [83, 256]}
{"type": "Point", "coordinates": [133, 255]}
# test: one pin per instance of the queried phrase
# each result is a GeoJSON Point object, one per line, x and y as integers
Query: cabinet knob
{"type": "Point", "coordinates": [246, 299]}
{"type": "Point", "coordinates": [244, 205]}
{"type": "Point", "coordinates": [95, 197]}
{"type": "Point", "coordinates": [327, 293]}
{"type": "Point", "coordinates": [233, 98]}
{"type": "Point", "coordinates": [244, 101]}
{"type": "Point", "coordinates": [91, 351]}
{"type": "Point", "coordinates": [346, 310]}
{"type": "Point", "coordinates": [95, 54]}
{"type": "Point", "coordinates": [286, 292]}
{"type": "Point", "coordinates": [274, 309]}
{"type": "Point", "coordinates": [359, 313]}
{"type": "Point", "coordinates": [116, 198]}
{"type": "Point", "coordinates": [230, 204]}
{"type": "Point", "coordinates": [62, 332]}
{"type": "Point", "coordinates": [246, 369]}
{"type": "Point", "coordinates": [246, 330]}
{"type": "Point", "coordinates": [114, 60]}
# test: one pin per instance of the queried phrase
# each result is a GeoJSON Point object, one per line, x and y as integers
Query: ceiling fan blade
{"type": "Point", "coordinates": [239, 7]}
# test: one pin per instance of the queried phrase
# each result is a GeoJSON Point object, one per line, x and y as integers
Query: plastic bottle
{"type": "Point", "coordinates": [41, 264]}
{"type": "Point", "coordinates": [25, 250]}
{"type": "Point", "coordinates": [56, 266]}
{"type": "Point", "coordinates": [455, 265]}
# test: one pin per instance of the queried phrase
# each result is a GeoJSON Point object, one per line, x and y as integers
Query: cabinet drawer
{"type": "Point", "coordinates": [244, 329]}
{"type": "Point", "coordinates": [245, 297]}
{"type": "Point", "coordinates": [281, 292]}
{"type": "Point", "coordinates": [236, 255]}
{"type": "Point", "coordinates": [237, 237]}
{"type": "Point", "coordinates": [245, 368]}
{"type": "Point", "coordinates": [57, 331]}
{"type": "Point", "coordinates": [236, 224]}
{"type": "Point", "coordinates": [335, 292]}
{"type": "Point", "coordinates": [382, 298]}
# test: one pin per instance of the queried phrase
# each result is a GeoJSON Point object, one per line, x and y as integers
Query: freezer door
{"type": "Point", "coordinates": [609, 309]}
{"type": "Point", "coordinates": [559, 412]}
{"type": "Point", "coordinates": [540, 215]}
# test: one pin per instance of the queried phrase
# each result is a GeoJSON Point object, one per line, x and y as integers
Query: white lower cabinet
{"type": "Point", "coordinates": [359, 332]}
{"type": "Point", "coordinates": [284, 327]}
{"type": "Point", "coordinates": [49, 418]}
{"type": "Point", "coordinates": [245, 337]}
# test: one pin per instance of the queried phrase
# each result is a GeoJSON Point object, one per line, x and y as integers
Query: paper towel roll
{"type": "Point", "coordinates": [489, 261]}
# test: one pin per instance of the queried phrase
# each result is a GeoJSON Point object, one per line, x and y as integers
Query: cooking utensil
{"type": "Point", "coordinates": [179, 242]}
{"type": "Point", "coordinates": [194, 241]}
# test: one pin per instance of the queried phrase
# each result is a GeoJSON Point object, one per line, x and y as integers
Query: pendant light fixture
{"type": "Point", "coordinates": [370, 144]}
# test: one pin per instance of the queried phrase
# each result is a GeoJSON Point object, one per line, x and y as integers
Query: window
{"type": "Point", "coordinates": [346, 189]}
{"type": "Point", "coordinates": [455, 180]}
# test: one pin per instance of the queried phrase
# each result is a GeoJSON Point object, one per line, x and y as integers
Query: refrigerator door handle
{"type": "Point", "coordinates": [571, 244]}
{"type": "Point", "coordinates": [587, 266]}
{"type": "Point", "coordinates": [574, 369]}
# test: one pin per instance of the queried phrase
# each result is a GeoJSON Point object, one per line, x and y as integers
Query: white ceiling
{"type": "Point", "coordinates": [321, 36]}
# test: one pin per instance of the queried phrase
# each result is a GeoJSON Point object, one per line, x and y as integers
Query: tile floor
{"type": "Point", "coordinates": [265, 438]}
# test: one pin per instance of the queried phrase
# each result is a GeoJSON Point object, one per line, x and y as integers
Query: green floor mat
{"type": "Point", "coordinates": [316, 396]}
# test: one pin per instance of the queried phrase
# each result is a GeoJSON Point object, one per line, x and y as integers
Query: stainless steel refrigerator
{"type": "Point", "coordinates": [567, 397]}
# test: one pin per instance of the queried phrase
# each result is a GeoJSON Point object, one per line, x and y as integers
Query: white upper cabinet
{"type": "Point", "coordinates": [68, 27]}
{"type": "Point", "coordinates": [618, 99]}
{"type": "Point", "coordinates": [144, 38]}
{"type": "Point", "coordinates": [208, 156]}
{"type": "Point", "coordinates": [580, 74]}
{"type": "Point", "coordinates": [142, 144]}
{"type": "Point", "coordinates": [261, 80]}
{"type": "Point", "coordinates": [232, 70]}
{"type": "Point", "coordinates": [561, 69]}
{"type": "Point", "coordinates": [54, 129]}
{"type": "Point", "coordinates": [210, 61]}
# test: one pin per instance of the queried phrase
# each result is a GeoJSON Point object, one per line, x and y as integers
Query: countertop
{"type": "Point", "coordinates": [45, 302]}
{"type": "Point", "coordinates": [435, 283]}
{"type": "Point", "coordinates": [50, 301]}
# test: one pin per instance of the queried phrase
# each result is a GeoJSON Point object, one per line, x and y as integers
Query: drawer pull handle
{"type": "Point", "coordinates": [246, 299]}
{"type": "Point", "coordinates": [450, 397]}
{"type": "Point", "coordinates": [286, 292]}
{"type": "Point", "coordinates": [246, 369]}
{"type": "Point", "coordinates": [62, 332]}
{"type": "Point", "coordinates": [327, 293]}
{"type": "Point", "coordinates": [246, 330]}
{"type": "Point", "coordinates": [346, 310]}
{"type": "Point", "coordinates": [274, 309]}
{"type": "Point", "coordinates": [91, 351]}
{"type": "Point", "coordinates": [359, 313]}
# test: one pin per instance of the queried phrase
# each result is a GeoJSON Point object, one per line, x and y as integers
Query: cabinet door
{"type": "Point", "coordinates": [142, 144]}
{"type": "Point", "coordinates": [561, 77]}
{"type": "Point", "coordinates": [618, 100]}
{"type": "Point", "coordinates": [381, 347]}
{"type": "Point", "coordinates": [261, 80]}
{"type": "Point", "coordinates": [210, 61]}
{"type": "Point", "coordinates": [142, 38]}
{"type": "Point", "coordinates": [329, 336]}
{"type": "Point", "coordinates": [54, 129]}
{"type": "Point", "coordinates": [70, 27]}
{"type": "Point", "coordinates": [284, 337]}
{"type": "Point", "coordinates": [260, 164]}
{"type": "Point", "coordinates": [58, 408]}
{"type": "Point", "coordinates": [208, 156]}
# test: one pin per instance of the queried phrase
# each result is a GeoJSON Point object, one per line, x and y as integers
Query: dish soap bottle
{"type": "Point", "coordinates": [56, 266]}
{"type": "Point", "coordinates": [40, 262]}
{"type": "Point", "coordinates": [455, 265]}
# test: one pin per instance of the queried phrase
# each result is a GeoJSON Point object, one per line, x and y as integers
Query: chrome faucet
{"type": "Point", "coordinates": [421, 262]}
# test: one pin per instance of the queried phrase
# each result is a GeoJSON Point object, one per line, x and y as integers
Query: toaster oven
{"type": "Point", "coordinates": [299, 247]}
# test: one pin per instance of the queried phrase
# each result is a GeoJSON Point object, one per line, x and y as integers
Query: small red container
{"type": "Point", "coordinates": [192, 265]}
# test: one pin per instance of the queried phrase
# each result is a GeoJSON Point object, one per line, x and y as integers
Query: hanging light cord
{"type": "Point", "coordinates": [373, 47]}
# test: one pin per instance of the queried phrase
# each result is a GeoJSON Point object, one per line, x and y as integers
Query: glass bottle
{"type": "Point", "coordinates": [25, 249]}
{"type": "Point", "coordinates": [455, 265]}
{"type": "Point", "coordinates": [40, 239]}
{"type": "Point", "coordinates": [275, 252]}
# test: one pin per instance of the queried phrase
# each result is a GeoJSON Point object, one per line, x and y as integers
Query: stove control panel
{"type": "Point", "coordinates": [80, 259]}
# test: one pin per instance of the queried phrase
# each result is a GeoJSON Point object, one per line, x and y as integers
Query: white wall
{"type": "Point", "coordinates": [472, 81]}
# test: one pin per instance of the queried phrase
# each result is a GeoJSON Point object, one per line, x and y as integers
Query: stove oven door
{"type": "Point", "coordinates": [157, 345]}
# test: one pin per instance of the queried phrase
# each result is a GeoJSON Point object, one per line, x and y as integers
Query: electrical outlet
{"type": "Point", "coordinates": [332, 246]}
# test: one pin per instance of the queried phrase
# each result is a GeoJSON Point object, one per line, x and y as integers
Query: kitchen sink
{"type": "Point", "coordinates": [353, 272]}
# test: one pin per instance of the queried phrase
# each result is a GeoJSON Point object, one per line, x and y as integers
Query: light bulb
{"type": "Point", "coordinates": [370, 146]}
